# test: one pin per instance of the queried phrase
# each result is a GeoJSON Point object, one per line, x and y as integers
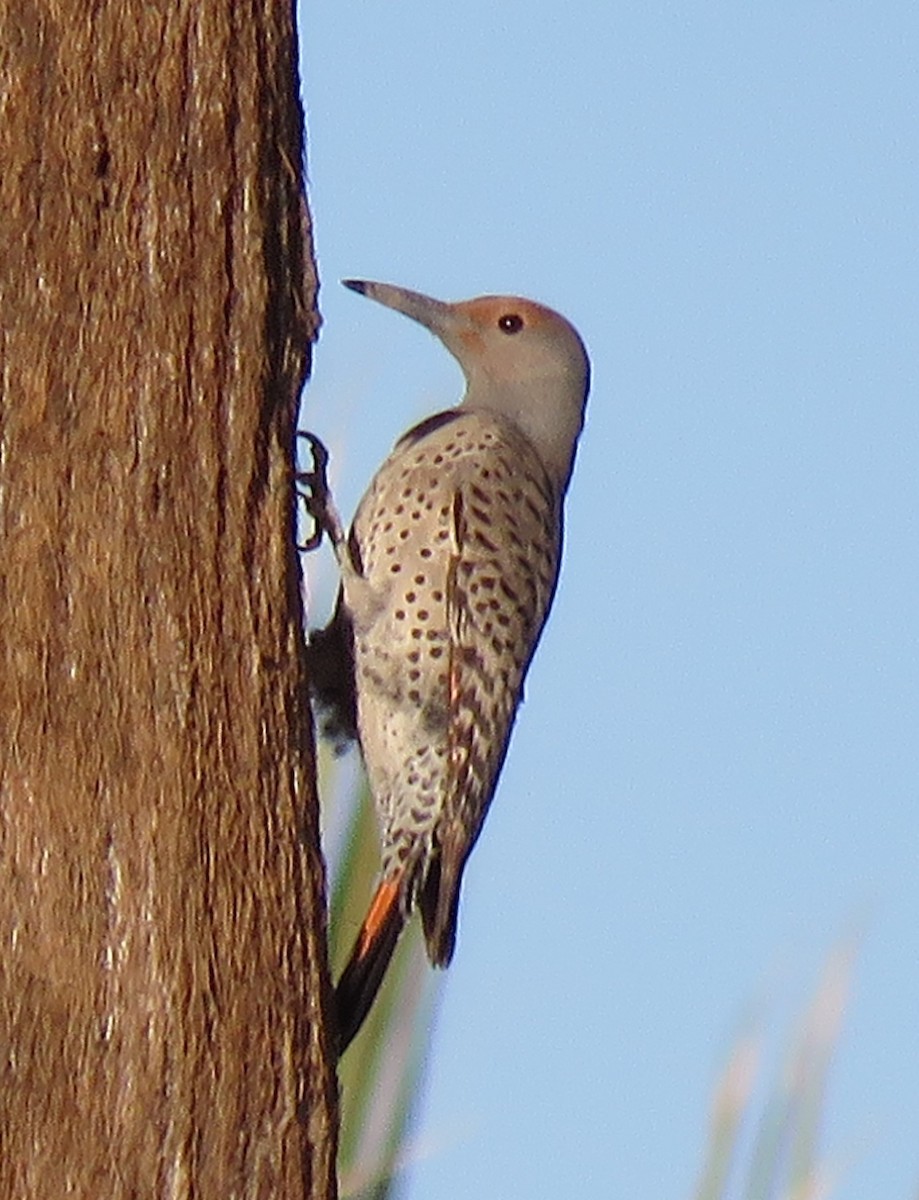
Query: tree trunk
{"type": "Point", "coordinates": [162, 950]}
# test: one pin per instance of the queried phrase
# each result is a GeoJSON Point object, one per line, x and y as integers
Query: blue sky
{"type": "Point", "coordinates": [715, 774]}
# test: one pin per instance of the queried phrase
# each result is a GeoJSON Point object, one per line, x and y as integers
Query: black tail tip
{"type": "Point", "coordinates": [356, 285]}
{"type": "Point", "coordinates": [360, 981]}
{"type": "Point", "coordinates": [354, 997]}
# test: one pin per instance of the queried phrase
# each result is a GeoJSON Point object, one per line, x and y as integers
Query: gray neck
{"type": "Point", "coordinates": [550, 422]}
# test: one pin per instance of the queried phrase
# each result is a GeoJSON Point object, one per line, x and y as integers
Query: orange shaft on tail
{"type": "Point", "coordinates": [360, 980]}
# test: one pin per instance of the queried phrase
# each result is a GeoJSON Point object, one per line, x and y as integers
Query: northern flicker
{"type": "Point", "coordinates": [448, 574]}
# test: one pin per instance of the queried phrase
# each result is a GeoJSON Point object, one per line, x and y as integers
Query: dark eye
{"type": "Point", "coordinates": [510, 323]}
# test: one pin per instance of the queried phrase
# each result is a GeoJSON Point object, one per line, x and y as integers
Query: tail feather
{"type": "Point", "coordinates": [438, 900]}
{"type": "Point", "coordinates": [360, 980]}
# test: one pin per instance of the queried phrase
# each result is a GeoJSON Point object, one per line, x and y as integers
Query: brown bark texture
{"type": "Point", "coordinates": [162, 964]}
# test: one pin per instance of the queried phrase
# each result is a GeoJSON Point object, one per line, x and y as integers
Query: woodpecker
{"type": "Point", "coordinates": [447, 577]}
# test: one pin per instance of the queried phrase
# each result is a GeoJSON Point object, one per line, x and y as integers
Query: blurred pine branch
{"type": "Point", "coordinates": [381, 1075]}
{"type": "Point", "coordinates": [783, 1161]}
{"type": "Point", "coordinates": [760, 1147]}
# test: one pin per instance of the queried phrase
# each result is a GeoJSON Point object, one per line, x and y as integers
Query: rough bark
{"type": "Point", "coordinates": [162, 964]}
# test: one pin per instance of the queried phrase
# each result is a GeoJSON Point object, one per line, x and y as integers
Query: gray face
{"type": "Point", "coordinates": [521, 360]}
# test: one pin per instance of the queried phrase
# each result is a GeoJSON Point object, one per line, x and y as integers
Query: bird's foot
{"type": "Point", "coordinates": [313, 489]}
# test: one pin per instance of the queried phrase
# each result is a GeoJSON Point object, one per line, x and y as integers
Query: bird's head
{"type": "Point", "coordinates": [522, 361]}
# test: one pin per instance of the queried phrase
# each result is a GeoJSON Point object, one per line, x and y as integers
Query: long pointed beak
{"type": "Point", "coordinates": [432, 314]}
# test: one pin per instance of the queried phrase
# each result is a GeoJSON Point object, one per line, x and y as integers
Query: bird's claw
{"type": "Point", "coordinates": [313, 489]}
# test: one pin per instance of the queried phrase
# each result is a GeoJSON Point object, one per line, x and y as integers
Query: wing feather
{"type": "Point", "coordinates": [505, 541]}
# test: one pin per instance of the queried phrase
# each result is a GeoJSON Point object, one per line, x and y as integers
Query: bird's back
{"type": "Point", "coordinates": [459, 541]}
